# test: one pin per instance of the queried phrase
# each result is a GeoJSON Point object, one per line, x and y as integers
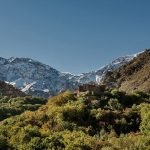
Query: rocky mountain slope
{"type": "Point", "coordinates": [9, 90]}
{"type": "Point", "coordinates": [133, 76]}
{"type": "Point", "coordinates": [36, 78]}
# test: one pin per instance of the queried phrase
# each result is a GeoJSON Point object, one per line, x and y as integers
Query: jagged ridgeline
{"type": "Point", "coordinates": [82, 121]}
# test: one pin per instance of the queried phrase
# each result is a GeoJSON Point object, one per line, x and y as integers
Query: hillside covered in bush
{"type": "Point", "coordinates": [112, 120]}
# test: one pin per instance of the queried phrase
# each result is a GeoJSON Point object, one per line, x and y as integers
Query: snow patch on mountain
{"type": "Point", "coordinates": [27, 87]}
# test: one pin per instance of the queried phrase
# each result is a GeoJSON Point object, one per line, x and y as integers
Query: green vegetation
{"type": "Point", "coordinates": [113, 120]}
{"type": "Point", "coordinates": [10, 106]}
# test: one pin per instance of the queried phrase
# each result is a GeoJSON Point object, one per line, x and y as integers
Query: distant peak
{"type": "Point", "coordinates": [22, 59]}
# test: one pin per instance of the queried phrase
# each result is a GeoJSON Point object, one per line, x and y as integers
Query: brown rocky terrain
{"type": "Point", "coordinates": [9, 90]}
{"type": "Point", "coordinates": [134, 76]}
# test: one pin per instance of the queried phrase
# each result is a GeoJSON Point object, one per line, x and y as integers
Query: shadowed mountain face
{"type": "Point", "coordinates": [9, 90]}
{"type": "Point", "coordinates": [133, 76]}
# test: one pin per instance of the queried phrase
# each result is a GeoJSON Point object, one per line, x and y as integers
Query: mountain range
{"type": "Point", "coordinates": [38, 79]}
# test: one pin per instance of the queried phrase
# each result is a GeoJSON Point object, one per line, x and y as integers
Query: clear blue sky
{"type": "Point", "coordinates": [73, 35]}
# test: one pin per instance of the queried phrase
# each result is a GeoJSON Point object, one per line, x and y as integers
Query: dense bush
{"type": "Point", "coordinates": [113, 120]}
{"type": "Point", "coordinates": [13, 106]}
{"type": "Point", "coordinates": [145, 116]}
